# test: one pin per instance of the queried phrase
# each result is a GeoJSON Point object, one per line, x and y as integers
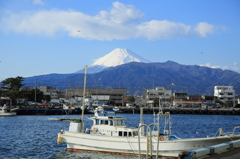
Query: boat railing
{"type": "Point", "coordinates": [228, 131]}
{"type": "Point", "coordinates": [149, 139]}
{"type": "Point", "coordinates": [236, 130]}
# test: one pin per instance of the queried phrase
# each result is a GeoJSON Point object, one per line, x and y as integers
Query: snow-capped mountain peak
{"type": "Point", "coordinates": [116, 57]}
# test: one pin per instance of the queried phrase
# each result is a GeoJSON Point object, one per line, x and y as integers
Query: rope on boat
{"type": "Point", "coordinates": [130, 145]}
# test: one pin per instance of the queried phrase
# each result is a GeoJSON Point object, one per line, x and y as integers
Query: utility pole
{"type": "Point", "coordinates": [171, 84]}
{"type": "Point", "coordinates": [83, 102]}
{"type": "Point", "coordinates": [36, 89]}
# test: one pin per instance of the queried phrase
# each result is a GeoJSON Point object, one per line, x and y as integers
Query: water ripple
{"type": "Point", "coordinates": [35, 136]}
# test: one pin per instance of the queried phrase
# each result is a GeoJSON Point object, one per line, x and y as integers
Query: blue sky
{"type": "Point", "coordinates": [62, 36]}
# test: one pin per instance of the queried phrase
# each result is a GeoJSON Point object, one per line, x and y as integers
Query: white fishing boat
{"type": "Point", "coordinates": [5, 113]}
{"type": "Point", "coordinates": [110, 134]}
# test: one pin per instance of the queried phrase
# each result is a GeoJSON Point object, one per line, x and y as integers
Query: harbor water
{"type": "Point", "coordinates": [36, 136]}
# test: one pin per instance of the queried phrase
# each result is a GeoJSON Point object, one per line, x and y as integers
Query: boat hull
{"type": "Point", "coordinates": [130, 145]}
{"type": "Point", "coordinates": [7, 114]}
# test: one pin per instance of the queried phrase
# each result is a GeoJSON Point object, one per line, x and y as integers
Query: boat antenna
{"type": "Point", "coordinates": [83, 100]}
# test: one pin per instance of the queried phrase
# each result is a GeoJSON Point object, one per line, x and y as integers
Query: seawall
{"type": "Point", "coordinates": [198, 111]}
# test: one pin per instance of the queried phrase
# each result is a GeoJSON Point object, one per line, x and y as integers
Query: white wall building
{"type": "Point", "coordinates": [101, 96]}
{"type": "Point", "coordinates": [52, 92]}
{"type": "Point", "coordinates": [159, 92]}
{"type": "Point", "coordinates": [224, 93]}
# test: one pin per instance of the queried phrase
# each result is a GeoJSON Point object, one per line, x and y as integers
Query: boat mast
{"type": "Point", "coordinates": [83, 100]}
{"type": "Point", "coordinates": [141, 122]}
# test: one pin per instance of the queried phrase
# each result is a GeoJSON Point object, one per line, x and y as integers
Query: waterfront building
{"type": "Point", "coordinates": [225, 94]}
{"type": "Point", "coordinates": [180, 95]}
{"type": "Point", "coordinates": [52, 92]}
{"type": "Point", "coordinates": [160, 93]}
{"type": "Point", "coordinates": [184, 100]}
{"type": "Point", "coordinates": [100, 96]}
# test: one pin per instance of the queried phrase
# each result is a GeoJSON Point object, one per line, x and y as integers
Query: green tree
{"type": "Point", "coordinates": [131, 99]}
{"type": "Point", "coordinates": [13, 84]}
{"type": "Point", "coordinates": [47, 98]}
{"type": "Point", "coordinates": [31, 95]}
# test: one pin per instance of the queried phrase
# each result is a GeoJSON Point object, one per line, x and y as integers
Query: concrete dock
{"type": "Point", "coordinates": [199, 111]}
{"type": "Point", "coordinates": [227, 154]}
{"type": "Point", "coordinates": [228, 150]}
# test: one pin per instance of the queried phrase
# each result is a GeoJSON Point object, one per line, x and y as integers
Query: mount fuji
{"type": "Point", "coordinates": [122, 68]}
{"type": "Point", "coordinates": [115, 58]}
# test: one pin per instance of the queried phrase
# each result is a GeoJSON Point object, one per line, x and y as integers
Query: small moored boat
{"type": "Point", "coordinates": [5, 113]}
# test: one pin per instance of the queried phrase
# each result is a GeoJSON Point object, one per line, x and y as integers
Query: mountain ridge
{"type": "Point", "coordinates": [136, 77]}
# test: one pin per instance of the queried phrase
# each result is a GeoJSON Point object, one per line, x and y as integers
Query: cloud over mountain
{"type": "Point", "coordinates": [234, 68]}
{"type": "Point", "coordinates": [121, 22]}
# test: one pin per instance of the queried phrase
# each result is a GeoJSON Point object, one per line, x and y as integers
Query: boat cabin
{"type": "Point", "coordinates": [110, 125]}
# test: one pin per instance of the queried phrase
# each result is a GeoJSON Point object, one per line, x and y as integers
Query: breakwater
{"type": "Point", "coordinates": [47, 110]}
{"type": "Point", "coordinates": [58, 110]}
{"type": "Point", "coordinates": [198, 111]}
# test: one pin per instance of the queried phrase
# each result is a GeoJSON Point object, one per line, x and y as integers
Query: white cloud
{"type": "Point", "coordinates": [236, 69]}
{"type": "Point", "coordinates": [155, 29]}
{"type": "Point", "coordinates": [121, 14]}
{"type": "Point", "coordinates": [204, 28]}
{"type": "Point", "coordinates": [221, 67]}
{"type": "Point", "coordinates": [121, 22]}
{"type": "Point", "coordinates": [37, 2]}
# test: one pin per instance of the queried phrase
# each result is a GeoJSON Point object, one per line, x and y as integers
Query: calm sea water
{"type": "Point", "coordinates": [36, 136]}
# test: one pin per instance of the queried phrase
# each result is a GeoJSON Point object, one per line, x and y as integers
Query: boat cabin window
{"type": "Point", "coordinates": [111, 122]}
{"type": "Point", "coordinates": [125, 133]}
{"type": "Point", "coordinates": [97, 121]}
{"type": "Point", "coordinates": [120, 133]}
{"type": "Point", "coordinates": [119, 122]}
{"type": "Point", "coordinates": [135, 133]}
{"type": "Point", "coordinates": [130, 134]}
{"type": "Point", "coordinates": [104, 122]}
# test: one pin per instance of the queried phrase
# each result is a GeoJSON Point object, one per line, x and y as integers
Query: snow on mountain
{"type": "Point", "coordinates": [117, 57]}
